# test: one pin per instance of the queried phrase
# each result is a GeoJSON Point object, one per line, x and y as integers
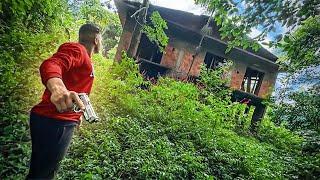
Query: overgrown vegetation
{"type": "Point", "coordinates": [302, 47]}
{"type": "Point", "coordinates": [28, 34]}
{"type": "Point", "coordinates": [143, 134]}
{"type": "Point", "coordinates": [30, 31]}
{"type": "Point", "coordinates": [171, 130]}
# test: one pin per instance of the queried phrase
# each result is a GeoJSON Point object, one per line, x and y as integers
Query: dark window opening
{"type": "Point", "coordinates": [149, 56]}
{"type": "Point", "coordinates": [148, 50]}
{"type": "Point", "coordinates": [151, 70]}
{"type": "Point", "coordinates": [213, 61]}
{"type": "Point", "coordinates": [252, 81]}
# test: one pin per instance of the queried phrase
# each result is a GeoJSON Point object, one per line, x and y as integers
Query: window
{"type": "Point", "coordinates": [213, 61]}
{"type": "Point", "coordinates": [150, 56]}
{"type": "Point", "coordinates": [252, 81]}
{"type": "Point", "coordinates": [148, 50]}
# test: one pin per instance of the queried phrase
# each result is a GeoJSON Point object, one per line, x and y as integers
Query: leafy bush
{"type": "Point", "coordinates": [302, 113]}
{"type": "Point", "coordinates": [20, 90]}
{"type": "Point", "coordinates": [155, 31]}
{"type": "Point", "coordinates": [279, 136]}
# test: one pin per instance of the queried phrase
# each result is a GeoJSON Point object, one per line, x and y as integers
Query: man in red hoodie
{"type": "Point", "coordinates": [68, 72]}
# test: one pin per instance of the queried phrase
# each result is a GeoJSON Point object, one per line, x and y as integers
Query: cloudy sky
{"type": "Point", "coordinates": [184, 5]}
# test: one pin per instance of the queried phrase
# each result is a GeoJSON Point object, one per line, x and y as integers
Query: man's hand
{"type": "Point", "coordinates": [61, 97]}
{"type": "Point", "coordinates": [80, 122]}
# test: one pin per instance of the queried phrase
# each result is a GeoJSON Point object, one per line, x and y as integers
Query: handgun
{"type": "Point", "coordinates": [88, 113]}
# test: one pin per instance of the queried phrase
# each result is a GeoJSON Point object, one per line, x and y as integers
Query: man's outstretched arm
{"type": "Point", "coordinates": [51, 71]}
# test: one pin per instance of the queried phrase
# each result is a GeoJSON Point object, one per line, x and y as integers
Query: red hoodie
{"type": "Point", "coordinates": [73, 65]}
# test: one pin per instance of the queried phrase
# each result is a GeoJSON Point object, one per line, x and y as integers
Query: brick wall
{"type": "Point", "coordinates": [267, 85]}
{"type": "Point", "coordinates": [170, 57]}
{"type": "Point", "coordinates": [238, 72]}
{"type": "Point", "coordinates": [179, 56]}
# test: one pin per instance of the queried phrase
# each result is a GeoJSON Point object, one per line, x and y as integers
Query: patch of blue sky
{"type": "Point", "coordinates": [271, 36]}
{"type": "Point", "coordinates": [303, 81]}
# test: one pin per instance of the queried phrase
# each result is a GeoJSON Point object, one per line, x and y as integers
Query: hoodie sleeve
{"type": "Point", "coordinates": [67, 57]}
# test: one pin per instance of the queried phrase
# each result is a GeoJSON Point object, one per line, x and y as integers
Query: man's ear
{"type": "Point", "coordinates": [96, 39]}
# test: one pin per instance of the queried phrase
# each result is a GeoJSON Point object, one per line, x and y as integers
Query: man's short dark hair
{"type": "Point", "coordinates": [87, 32]}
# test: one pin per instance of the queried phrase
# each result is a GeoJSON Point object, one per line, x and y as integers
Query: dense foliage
{"type": "Point", "coordinates": [30, 31]}
{"type": "Point", "coordinates": [143, 134]}
{"type": "Point", "coordinates": [302, 47]}
{"type": "Point", "coordinates": [94, 11]}
{"type": "Point", "coordinates": [28, 34]}
{"type": "Point", "coordinates": [299, 110]}
{"type": "Point", "coordinates": [302, 113]}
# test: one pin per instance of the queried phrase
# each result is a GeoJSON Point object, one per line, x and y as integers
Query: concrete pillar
{"type": "Point", "coordinates": [258, 114]}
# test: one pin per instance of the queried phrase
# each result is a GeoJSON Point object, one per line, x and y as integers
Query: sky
{"type": "Point", "coordinates": [184, 5]}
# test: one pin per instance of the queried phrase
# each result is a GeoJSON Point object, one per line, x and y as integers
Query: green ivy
{"type": "Point", "coordinates": [155, 31]}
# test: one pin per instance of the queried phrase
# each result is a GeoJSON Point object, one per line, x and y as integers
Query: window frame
{"type": "Point", "coordinates": [256, 77]}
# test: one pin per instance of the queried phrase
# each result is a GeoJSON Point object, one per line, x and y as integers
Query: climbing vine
{"type": "Point", "coordinates": [156, 30]}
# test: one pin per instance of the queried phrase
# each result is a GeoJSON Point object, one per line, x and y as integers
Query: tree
{"type": "Point", "coordinates": [90, 10]}
{"type": "Point", "coordinates": [237, 18]}
{"type": "Point", "coordinates": [299, 46]}
{"type": "Point", "coordinates": [32, 15]}
{"type": "Point", "coordinates": [302, 47]}
{"type": "Point", "coordinates": [112, 33]}
{"type": "Point", "coordinates": [95, 11]}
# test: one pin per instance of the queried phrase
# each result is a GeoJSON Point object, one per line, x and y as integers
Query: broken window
{"type": "Point", "coordinates": [252, 81]}
{"type": "Point", "coordinates": [148, 50]}
{"type": "Point", "coordinates": [213, 61]}
{"type": "Point", "coordinates": [150, 56]}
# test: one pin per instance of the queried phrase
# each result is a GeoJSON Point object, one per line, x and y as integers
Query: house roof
{"type": "Point", "coordinates": [187, 23]}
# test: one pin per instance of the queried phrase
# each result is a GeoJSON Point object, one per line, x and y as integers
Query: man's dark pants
{"type": "Point", "coordinates": [50, 141]}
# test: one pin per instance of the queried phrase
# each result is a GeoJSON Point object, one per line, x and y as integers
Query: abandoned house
{"type": "Point", "coordinates": [253, 73]}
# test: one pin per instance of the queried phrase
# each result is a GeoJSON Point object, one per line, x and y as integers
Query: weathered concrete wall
{"type": "Point", "coordinates": [126, 36]}
{"type": "Point", "coordinates": [122, 16]}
